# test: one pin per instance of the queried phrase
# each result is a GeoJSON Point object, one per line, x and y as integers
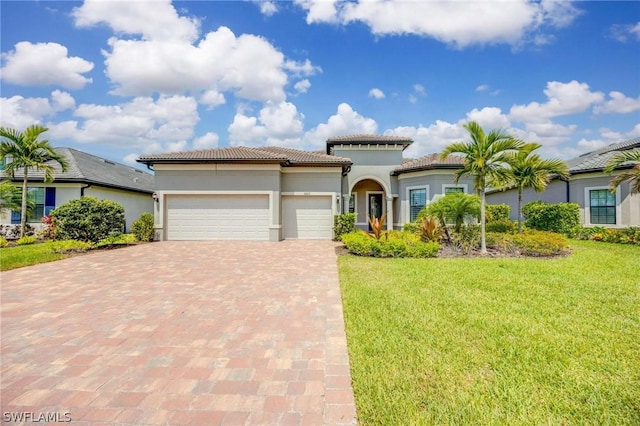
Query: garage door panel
{"type": "Point", "coordinates": [218, 217]}
{"type": "Point", "coordinates": [307, 217]}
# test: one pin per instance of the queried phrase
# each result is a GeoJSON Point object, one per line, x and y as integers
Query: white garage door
{"type": "Point", "coordinates": [218, 217]}
{"type": "Point", "coordinates": [307, 218]}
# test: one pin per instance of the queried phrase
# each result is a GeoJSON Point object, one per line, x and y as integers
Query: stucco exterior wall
{"type": "Point", "coordinates": [212, 179]}
{"type": "Point", "coordinates": [556, 192]}
{"type": "Point", "coordinates": [311, 180]}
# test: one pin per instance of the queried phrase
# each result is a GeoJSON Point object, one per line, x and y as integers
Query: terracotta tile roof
{"type": "Point", "coordinates": [217, 154]}
{"type": "Point", "coordinates": [428, 162]}
{"type": "Point", "coordinates": [369, 139]}
{"type": "Point", "coordinates": [266, 154]}
{"type": "Point", "coordinates": [306, 157]}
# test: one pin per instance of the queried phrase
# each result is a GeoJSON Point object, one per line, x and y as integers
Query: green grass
{"type": "Point", "coordinates": [32, 254]}
{"type": "Point", "coordinates": [496, 341]}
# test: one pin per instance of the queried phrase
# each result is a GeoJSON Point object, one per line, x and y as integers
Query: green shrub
{"type": "Point", "coordinates": [70, 246]}
{"type": "Point", "coordinates": [610, 235]}
{"type": "Point", "coordinates": [29, 239]}
{"type": "Point", "coordinates": [3, 242]}
{"type": "Point", "coordinates": [507, 226]}
{"type": "Point", "coordinates": [467, 239]}
{"type": "Point", "coordinates": [411, 227]}
{"type": "Point", "coordinates": [142, 227]}
{"type": "Point", "coordinates": [87, 219]}
{"type": "Point", "coordinates": [562, 218]}
{"type": "Point", "coordinates": [529, 243]}
{"type": "Point", "coordinates": [116, 240]}
{"type": "Point", "coordinates": [343, 224]}
{"type": "Point", "coordinates": [497, 213]}
{"type": "Point", "coordinates": [393, 244]}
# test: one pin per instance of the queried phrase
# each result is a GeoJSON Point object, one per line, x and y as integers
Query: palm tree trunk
{"type": "Point", "coordinates": [519, 210]}
{"type": "Point", "coordinates": [23, 209]}
{"type": "Point", "coordinates": [483, 236]}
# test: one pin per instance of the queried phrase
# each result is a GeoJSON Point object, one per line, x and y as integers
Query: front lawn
{"type": "Point", "coordinates": [496, 341]}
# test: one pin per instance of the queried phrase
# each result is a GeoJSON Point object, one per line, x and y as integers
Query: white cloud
{"type": "Point", "coordinates": [489, 118]}
{"type": "Point", "coordinates": [43, 64]}
{"type": "Point", "coordinates": [18, 112]}
{"type": "Point", "coordinates": [413, 99]}
{"type": "Point", "coordinates": [319, 10]}
{"type": "Point", "coordinates": [618, 104]}
{"type": "Point", "coordinates": [277, 124]}
{"type": "Point", "coordinates": [454, 23]}
{"type": "Point", "coordinates": [212, 98]}
{"type": "Point", "coordinates": [208, 140]}
{"type": "Point", "coordinates": [563, 99]}
{"type": "Point", "coordinates": [169, 58]}
{"type": "Point", "coordinates": [419, 89]}
{"type": "Point", "coordinates": [302, 86]}
{"type": "Point", "coordinates": [345, 121]}
{"type": "Point", "coordinates": [429, 139]}
{"type": "Point", "coordinates": [376, 93]}
{"type": "Point", "coordinates": [131, 159]}
{"type": "Point", "coordinates": [305, 68]}
{"type": "Point", "coordinates": [482, 88]}
{"type": "Point", "coordinates": [144, 123]}
{"type": "Point", "coordinates": [267, 7]}
{"type": "Point", "coordinates": [158, 21]}
{"type": "Point", "coordinates": [625, 33]}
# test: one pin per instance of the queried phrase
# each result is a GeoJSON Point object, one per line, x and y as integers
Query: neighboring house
{"type": "Point", "coordinates": [87, 175]}
{"type": "Point", "coordinates": [588, 186]}
{"type": "Point", "coordinates": [273, 193]}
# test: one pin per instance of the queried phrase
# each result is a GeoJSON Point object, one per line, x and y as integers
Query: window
{"type": "Point", "coordinates": [453, 189]}
{"type": "Point", "coordinates": [417, 201]}
{"type": "Point", "coordinates": [45, 201]}
{"type": "Point", "coordinates": [602, 207]}
{"type": "Point", "coordinates": [352, 202]}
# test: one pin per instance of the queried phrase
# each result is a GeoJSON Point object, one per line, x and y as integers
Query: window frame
{"type": "Point", "coordinates": [446, 186]}
{"type": "Point", "coordinates": [354, 197]}
{"type": "Point", "coordinates": [409, 189]}
{"type": "Point", "coordinates": [587, 207]}
{"type": "Point", "coordinates": [45, 207]}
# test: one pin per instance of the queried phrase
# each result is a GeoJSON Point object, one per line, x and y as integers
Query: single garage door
{"type": "Point", "coordinates": [218, 217]}
{"type": "Point", "coordinates": [307, 218]}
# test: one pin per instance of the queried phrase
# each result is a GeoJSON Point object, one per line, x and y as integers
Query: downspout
{"type": "Point", "coordinates": [567, 190]}
{"type": "Point", "coordinates": [82, 188]}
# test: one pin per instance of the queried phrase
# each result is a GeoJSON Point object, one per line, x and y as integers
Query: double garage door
{"type": "Point", "coordinates": [245, 217]}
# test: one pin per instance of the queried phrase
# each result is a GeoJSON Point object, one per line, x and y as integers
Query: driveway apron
{"type": "Point", "coordinates": [193, 333]}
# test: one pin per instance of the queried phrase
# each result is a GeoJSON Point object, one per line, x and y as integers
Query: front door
{"type": "Point", "coordinates": [375, 206]}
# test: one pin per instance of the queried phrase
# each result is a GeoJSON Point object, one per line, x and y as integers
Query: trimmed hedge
{"type": "Point", "coordinates": [142, 227]}
{"type": "Point", "coordinates": [530, 243]}
{"type": "Point", "coordinates": [343, 224]}
{"type": "Point", "coordinates": [497, 213]}
{"type": "Point", "coordinates": [563, 218]}
{"type": "Point", "coordinates": [393, 244]}
{"type": "Point", "coordinates": [506, 226]}
{"type": "Point", "coordinates": [610, 235]}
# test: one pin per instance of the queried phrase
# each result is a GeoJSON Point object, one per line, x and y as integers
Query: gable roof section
{"type": "Point", "coordinates": [90, 169]}
{"type": "Point", "coordinates": [597, 160]}
{"type": "Point", "coordinates": [429, 162]}
{"type": "Point", "coordinates": [241, 154]}
{"type": "Point", "coordinates": [368, 140]}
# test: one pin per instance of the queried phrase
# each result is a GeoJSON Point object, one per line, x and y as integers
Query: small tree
{"type": "Point", "coordinates": [27, 152]}
{"type": "Point", "coordinates": [142, 227]}
{"type": "Point", "coordinates": [455, 208]}
{"type": "Point", "coordinates": [486, 159]}
{"type": "Point", "coordinates": [87, 219]}
{"type": "Point", "coordinates": [530, 170]}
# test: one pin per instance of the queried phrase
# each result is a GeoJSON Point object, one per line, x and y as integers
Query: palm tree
{"type": "Point", "coordinates": [528, 169]}
{"type": "Point", "coordinates": [632, 175]}
{"type": "Point", "coordinates": [486, 158]}
{"type": "Point", "coordinates": [26, 152]}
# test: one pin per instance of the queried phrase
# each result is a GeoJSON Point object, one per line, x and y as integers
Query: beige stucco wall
{"type": "Point", "coordinates": [134, 203]}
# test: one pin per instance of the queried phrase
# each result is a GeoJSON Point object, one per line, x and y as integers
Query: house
{"type": "Point", "coordinates": [86, 175]}
{"type": "Point", "coordinates": [274, 193]}
{"type": "Point", "coordinates": [588, 186]}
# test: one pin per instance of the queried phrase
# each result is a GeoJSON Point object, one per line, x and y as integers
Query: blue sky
{"type": "Point", "coordinates": [120, 79]}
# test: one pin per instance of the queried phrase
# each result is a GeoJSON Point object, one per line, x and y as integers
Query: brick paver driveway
{"type": "Point", "coordinates": [194, 333]}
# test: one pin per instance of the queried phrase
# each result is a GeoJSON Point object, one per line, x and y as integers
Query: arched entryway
{"type": "Point", "coordinates": [369, 197]}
